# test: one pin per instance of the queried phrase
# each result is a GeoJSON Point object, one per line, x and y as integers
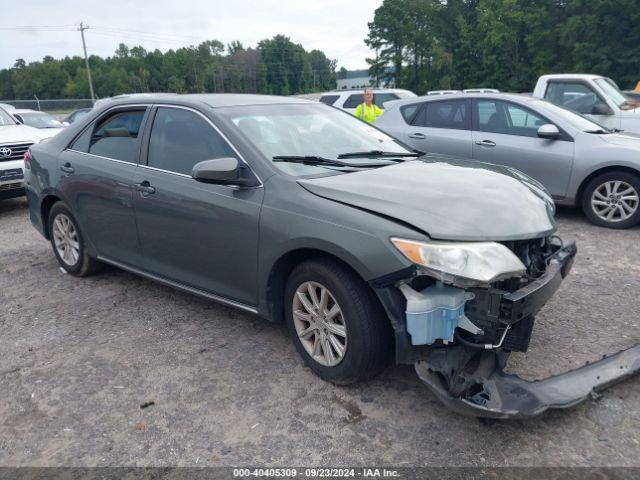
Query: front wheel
{"type": "Point", "coordinates": [336, 322]}
{"type": "Point", "coordinates": [68, 243]}
{"type": "Point", "coordinates": [613, 200]}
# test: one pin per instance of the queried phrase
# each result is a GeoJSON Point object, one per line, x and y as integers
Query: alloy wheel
{"type": "Point", "coordinates": [65, 239]}
{"type": "Point", "coordinates": [319, 323]}
{"type": "Point", "coordinates": [614, 201]}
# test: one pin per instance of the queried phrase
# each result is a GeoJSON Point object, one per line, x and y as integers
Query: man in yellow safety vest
{"type": "Point", "coordinates": [367, 110]}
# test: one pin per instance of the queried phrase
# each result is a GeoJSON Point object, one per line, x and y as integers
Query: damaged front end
{"type": "Point", "coordinates": [459, 332]}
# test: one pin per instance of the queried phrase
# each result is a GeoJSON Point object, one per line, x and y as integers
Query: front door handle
{"type": "Point", "coordinates": [486, 143]}
{"type": "Point", "coordinates": [67, 168]}
{"type": "Point", "coordinates": [418, 136]}
{"type": "Point", "coordinates": [145, 188]}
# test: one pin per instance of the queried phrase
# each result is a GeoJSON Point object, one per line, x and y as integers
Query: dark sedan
{"type": "Point", "coordinates": [301, 213]}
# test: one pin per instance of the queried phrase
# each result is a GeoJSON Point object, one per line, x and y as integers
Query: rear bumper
{"type": "Point", "coordinates": [500, 395]}
{"type": "Point", "coordinates": [11, 190]}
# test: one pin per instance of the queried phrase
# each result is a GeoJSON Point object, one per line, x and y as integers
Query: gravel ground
{"type": "Point", "coordinates": [78, 358]}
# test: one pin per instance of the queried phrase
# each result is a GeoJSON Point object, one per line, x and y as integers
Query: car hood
{"type": "Point", "coordinates": [448, 200]}
{"type": "Point", "coordinates": [23, 134]}
{"type": "Point", "coordinates": [624, 139]}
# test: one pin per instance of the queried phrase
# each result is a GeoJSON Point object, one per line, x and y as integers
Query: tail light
{"type": "Point", "coordinates": [27, 160]}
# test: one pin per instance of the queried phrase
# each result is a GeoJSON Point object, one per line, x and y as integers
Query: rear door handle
{"type": "Point", "coordinates": [486, 143]}
{"type": "Point", "coordinates": [67, 168]}
{"type": "Point", "coordinates": [417, 136]}
{"type": "Point", "coordinates": [145, 188]}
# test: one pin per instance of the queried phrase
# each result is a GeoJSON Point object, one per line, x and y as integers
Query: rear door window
{"type": "Point", "coordinates": [181, 138]}
{"type": "Point", "coordinates": [380, 98]}
{"type": "Point", "coordinates": [353, 100]}
{"type": "Point", "coordinates": [115, 137]}
{"type": "Point", "coordinates": [329, 99]}
{"type": "Point", "coordinates": [450, 114]}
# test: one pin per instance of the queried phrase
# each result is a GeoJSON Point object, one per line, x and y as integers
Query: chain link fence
{"type": "Point", "coordinates": [52, 106]}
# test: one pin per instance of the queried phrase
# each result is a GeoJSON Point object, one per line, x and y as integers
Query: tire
{"type": "Point", "coordinates": [604, 188]}
{"type": "Point", "coordinates": [68, 243]}
{"type": "Point", "coordinates": [367, 343]}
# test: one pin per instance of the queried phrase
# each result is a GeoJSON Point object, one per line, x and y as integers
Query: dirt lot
{"type": "Point", "coordinates": [78, 358]}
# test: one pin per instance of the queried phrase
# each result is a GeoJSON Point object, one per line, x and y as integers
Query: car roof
{"type": "Point", "coordinates": [214, 100]}
{"type": "Point", "coordinates": [25, 110]}
{"type": "Point", "coordinates": [577, 76]}
{"type": "Point", "coordinates": [352, 91]}
{"type": "Point", "coordinates": [462, 95]}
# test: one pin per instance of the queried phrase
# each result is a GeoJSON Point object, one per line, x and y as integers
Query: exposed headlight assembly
{"type": "Point", "coordinates": [462, 262]}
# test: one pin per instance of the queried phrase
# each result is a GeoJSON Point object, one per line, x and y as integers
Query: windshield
{"type": "Point", "coordinates": [307, 130]}
{"type": "Point", "coordinates": [576, 120]}
{"type": "Point", "coordinates": [611, 90]}
{"type": "Point", "coordinates": [6, 119]}
{"type": "Point", "coordinates": [40, 120]}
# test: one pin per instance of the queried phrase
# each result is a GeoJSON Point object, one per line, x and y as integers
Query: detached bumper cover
{"type": "Point", "coordinates": [496, 394]}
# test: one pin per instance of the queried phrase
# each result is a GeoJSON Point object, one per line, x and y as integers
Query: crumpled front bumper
{"type": "Point", "coordinates": [502, 395]}
{"type": "Point", "coordinates": [473, 382]}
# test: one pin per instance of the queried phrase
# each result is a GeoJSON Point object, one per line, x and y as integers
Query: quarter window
{"type": "Point", "coordinates": [409, 112]}
{"type": "Point", "coordinates": [496, 116]}
{"type": "Point", "coordinates": [181, 138]}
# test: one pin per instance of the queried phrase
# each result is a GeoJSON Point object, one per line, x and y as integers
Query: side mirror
{"type": "Point", "coordinates": [601, 109]}
{"type": "Point", "coordinates": [548, 130]}
{"type": "Point", "coordinates": [224, 171]}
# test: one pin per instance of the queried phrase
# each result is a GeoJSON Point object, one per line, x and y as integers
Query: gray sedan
{"type": "Point", "coordinates": [301, 213]}
{"type": "Point", "coordinates": [579, 162]}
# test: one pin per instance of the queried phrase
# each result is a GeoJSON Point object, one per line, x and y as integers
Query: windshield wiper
{"type": "Point", "coordinates": [316, 161]}
{"type": "Point", "coordinates": [380, 153]}
{"type": "Point", "coordinates": [598, 132]}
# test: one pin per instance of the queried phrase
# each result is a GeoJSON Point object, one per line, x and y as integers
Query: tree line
{"type": "Point", "coordinates": [505, 44]}
{"type": "Point", "coordinates": [275, 66]}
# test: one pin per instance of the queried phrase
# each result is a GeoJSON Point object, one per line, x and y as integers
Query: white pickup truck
{"type": "Point", "coordinates": [15, 140]}
{"type": "Point", "coordinates": [597, 97]}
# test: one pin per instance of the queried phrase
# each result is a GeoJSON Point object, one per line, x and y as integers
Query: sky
{"type": "Point", "coordinates": [336, 27]}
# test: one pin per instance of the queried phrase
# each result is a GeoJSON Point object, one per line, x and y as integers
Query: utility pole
{"type": "Point", "coordinates": [86, 60]}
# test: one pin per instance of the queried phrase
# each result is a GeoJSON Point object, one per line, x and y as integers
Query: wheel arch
{"type": "Point", "coordinates": [45, 207]}
{"type": "Point", "coordinates": [601, 171]}
{"type": "Point", "coordinates": [282, 268]}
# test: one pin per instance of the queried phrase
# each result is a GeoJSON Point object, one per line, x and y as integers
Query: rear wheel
{"type": "Point", "coordinates": [68, 243]}
{"type": "Point", "coordinates": [613, 200]}
{"type": "Point", "coordinates": [337, 324]}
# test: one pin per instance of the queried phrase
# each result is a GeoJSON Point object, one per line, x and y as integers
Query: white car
{"type": "Point", "coordinates": [594, 96]}
{"type": "Point", "coordinates": [480, 90]}
{"type": "Point", "coordinates": [15, 140]}
{"type": "Point", "coordinates": [348, 100]}
{"type": "Point", "coordinates": [37, 119]}
{"type": "Point", "coordinates": [443, 92]}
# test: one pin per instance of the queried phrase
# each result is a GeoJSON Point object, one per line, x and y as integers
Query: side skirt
{"type": "Point", "coordinates": [181, 286]}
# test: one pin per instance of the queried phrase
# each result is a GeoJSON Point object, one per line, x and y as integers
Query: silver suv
{"type": "Point", "coordinates": [580, 162]}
